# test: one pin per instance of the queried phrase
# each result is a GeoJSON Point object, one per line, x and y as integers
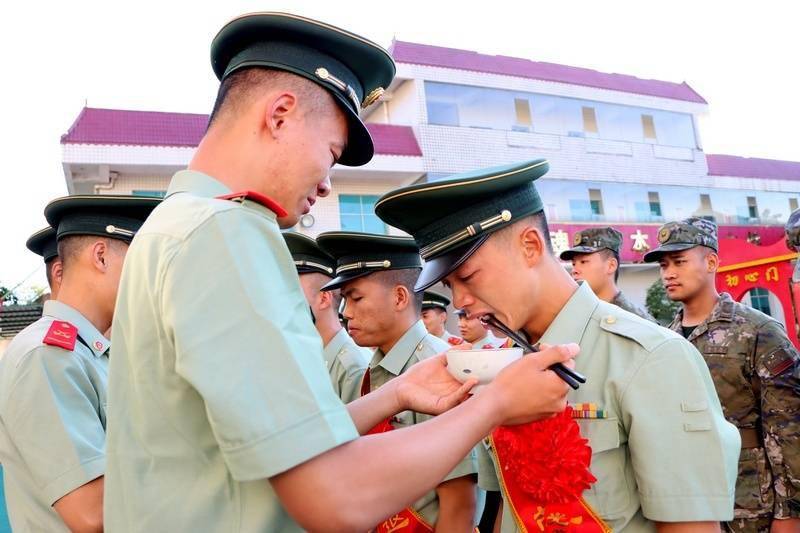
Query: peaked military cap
{"type": "Point", "coordinates": [360, 254]}
{"type": "Point", "coordinates": [451, 218]}
{"type": "Point", "coordinates": [591, 240]}
{"type": "Point", "coordinates": [682, 235]}
{"type": "Point", "coordinates": [44, 243]}
{"type": "Point", "coordinates": [431, 300]}
{"type": "Point", "coordinates": [461, 312]}
{"type": "Point", "coordinates": [308, 256]}
{"type": "Point", "coordinates": [115, 216]}
{"type": "Point", "coordinates": [354, 70]}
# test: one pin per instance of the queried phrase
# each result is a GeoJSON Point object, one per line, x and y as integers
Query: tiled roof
{"type": "Point", "coordinates": [15, 318]}
{"type": "Point", "coordinates": [751, 167]}
{"type": "Point", "coordinates": [155, 128]}
{"type": "Point", "coordinates": [437, 56]}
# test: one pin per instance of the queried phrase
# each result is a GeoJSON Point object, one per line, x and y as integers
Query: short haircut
{"type": "Point", "coordinates": [537, 220]}
{"type": "Point", "coordinates": [69, 248]}
{"type": "Point", "coordinates": [407, 278]}
{"type": "Point", "coordinates": [605, 253]}
{"type": "Point", "coordinates": [240, 87]}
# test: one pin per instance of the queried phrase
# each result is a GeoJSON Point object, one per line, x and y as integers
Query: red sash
{"type": "Point", "coordinates": [544, 469]}
{"type": "Point", "coordinates": [407, 520]}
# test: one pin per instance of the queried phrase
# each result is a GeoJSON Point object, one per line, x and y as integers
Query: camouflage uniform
{"type": "Point", "coordinates": [793, 239]}
{"type": "Point", "coordinates": [752, 363]}
{"type": "Point", "coordinates": [592, 240]}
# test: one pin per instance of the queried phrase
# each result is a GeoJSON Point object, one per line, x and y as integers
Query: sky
{"type": "Point", "coordinates": [154, 55]}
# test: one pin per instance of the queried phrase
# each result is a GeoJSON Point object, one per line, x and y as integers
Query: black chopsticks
{"type": "Point", "coordinates": [571, 377]}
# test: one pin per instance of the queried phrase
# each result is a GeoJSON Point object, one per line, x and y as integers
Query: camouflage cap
{"type": "Point", "coordinates": [682, 235]}
{"type": "Point", "coordinates": [591, 240]}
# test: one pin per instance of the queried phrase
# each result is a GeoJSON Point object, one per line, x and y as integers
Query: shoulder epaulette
{"type": "Point", "coordinates": [61, 334]}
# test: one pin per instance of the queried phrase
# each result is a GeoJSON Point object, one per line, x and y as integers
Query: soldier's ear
{"type": "Point", "coordinates": [712, 262]}
{"type": "Point", "coordinates": [401, 296]}
{"type": "Point", "coordinates": [533, 245]}
{"type": "Point", "coordinates": [277, 108]}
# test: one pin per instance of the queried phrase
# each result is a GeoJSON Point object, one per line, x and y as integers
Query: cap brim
{"type": "Point", "coordinates": [338, 281]}
{"type": "Point", "coordinates": [567, 255]}
{"type": "Point", "coordinates": [360, 148]}
{"type": "Point", "coordinates": [438, 268]}
{"type": "Point", "coordinates": [654, 255]}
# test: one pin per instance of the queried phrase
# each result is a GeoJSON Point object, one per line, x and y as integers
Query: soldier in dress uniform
{"type": "Point", "coordinates": [344, 359]}
{"type": "Point", "coordinates": [474, 332]}
{"type": "Point", "coordinates": [595, 260]}
{"type": "Point", "coordinates": [221, 416]}
{"type": "Point", "coordinates": [376, 275]}
{"type": "Point", "coordinates": [53, 375]}
{"type": "Point", "coordinates": [660, 454]}
{"type": "Point", "coordinates": [434, 315]}
{"type": "Point", "coordinates": [754, 367]}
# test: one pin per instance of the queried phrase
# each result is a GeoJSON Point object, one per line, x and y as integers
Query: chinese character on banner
{"type": "Point", "coordinates": [752, 277]}
{"type": "Point", "coordinates": [560, 241]}
{"type": "Point", "coordinates": [731, 281]}
{"type": "Point", "coordinates": [772, 274]}
{"type": "Point", "coordinates": [640, 242]}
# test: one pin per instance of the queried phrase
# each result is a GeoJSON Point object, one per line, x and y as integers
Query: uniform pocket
{"type": "Point", "coordinates": [610, 495]}
{"type": "Point", "coordinates": [754, 481]}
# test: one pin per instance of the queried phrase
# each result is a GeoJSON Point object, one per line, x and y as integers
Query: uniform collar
{"type": "Point", "coordinates": [483, 341]}
{"type": "Point", "coordinates": [334, 345]}
{"type": "Point", "coordinates": [196, 183]}
{"type": "Point", "coordinates": [570, 323]}
{"type": "Point", "coordinates": [723, 311]}
{"type": "Point", "coordinates": [403, 349]}
{"type": "Point", "coordinates": [95, 340]}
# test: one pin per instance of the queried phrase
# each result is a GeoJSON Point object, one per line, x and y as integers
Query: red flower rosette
{"type": "Point", "coordinates": [547, 460]}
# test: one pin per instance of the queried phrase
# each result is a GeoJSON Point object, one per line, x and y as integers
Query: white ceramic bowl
{"type": "Point", "coordinates": [483, 365]}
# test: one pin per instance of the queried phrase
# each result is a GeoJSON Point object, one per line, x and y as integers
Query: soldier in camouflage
{"type": "Point", "coordinates": [595, 260]}
{"type": "Point", "coordinates": [793, 239]}
{"type": "Point", "coordinates": [754, 368]}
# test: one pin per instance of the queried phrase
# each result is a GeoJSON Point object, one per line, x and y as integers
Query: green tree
{"type": "Point", "coordinates": [7, 296]}
{"type": "Point", "coordinates": [662, 308]}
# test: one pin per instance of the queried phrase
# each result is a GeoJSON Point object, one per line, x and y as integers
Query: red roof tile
{"type": "Point", "coordinates": [154, 128]}
{"type": "Point", "coordinates": [437, 56]}
{"type": "Point", "coordinates": [747, 167]}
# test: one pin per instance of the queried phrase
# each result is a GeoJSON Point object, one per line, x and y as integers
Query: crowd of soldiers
{"type": "Point", "coordinates": [263, 380]}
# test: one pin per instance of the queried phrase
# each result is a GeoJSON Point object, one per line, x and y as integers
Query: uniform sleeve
{"type": "Point", "coordinates": [468, 466]}
{"type": "Point", "coordinates": [776, 360]}
{"type": "Point", "coordinates": [349, 373]}
{"type": "Point", "coordinates": [684, 453]}
{"type": "Point", "coordinates": [53, 420]}
{"type": "Point", "coordinates": [244, 340]}
{"type": "Point", "coordinates": [487, 476]}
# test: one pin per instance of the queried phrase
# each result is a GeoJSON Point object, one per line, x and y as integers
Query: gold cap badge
{"type": "Point", "coordinates": [663, 235]}
{"type": "Point", "coordinates": [372, 97]}
{"type": "Point", "coordinates": [577, 239]}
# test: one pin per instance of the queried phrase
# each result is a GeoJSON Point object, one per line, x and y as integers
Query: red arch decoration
{"type": "Point", "coordinates": [745, 266]}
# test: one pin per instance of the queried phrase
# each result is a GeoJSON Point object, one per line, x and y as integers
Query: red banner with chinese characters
{"type": "Point", "coordinates": [638, 239]}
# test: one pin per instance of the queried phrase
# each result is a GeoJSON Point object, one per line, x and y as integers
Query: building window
{"type": "Point", "coordinates": [792, 204]}
{"type": "Point", "coordinates": [655, 204]}
{"type": "Point", "coordinates": [649, 127]}
{"type": "Point", "coordinates": [357, 213]}
{"type": "Point", "coordinates": [596, 202]}
{"type": "Point", "coordinates": [522, 107]}
{"type": "Point", "coordinates": [706, 211]}
{"type": "Point", "coordinates": [589, 120]}
{"type": "Point", "coordinates": [150, 194]}
{"type": "Point", "coordinates": [759, 299]}
{"type": "Point", "coordinates": [752, 207]}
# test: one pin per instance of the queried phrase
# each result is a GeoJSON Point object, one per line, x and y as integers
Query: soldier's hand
{"type": "Point", "coordinates": [427, 387]}
{"type": "Point", "coordinates": [526, 390]}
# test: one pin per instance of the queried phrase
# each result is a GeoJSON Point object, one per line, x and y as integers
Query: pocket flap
{"type": "Point", "coordinates": [603, 433]}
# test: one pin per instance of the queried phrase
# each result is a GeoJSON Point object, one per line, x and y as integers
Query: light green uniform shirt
{"type": "Point", "coordinates": [664, 452]}
{"type": "Point", "coordinates": [415, 345]}
{"type": "Point", "coordinates": [217, 380]}
{"type": "Point", "coordinates": [52, 418]}
{"type": "Point", "coordinates": [346, 363]}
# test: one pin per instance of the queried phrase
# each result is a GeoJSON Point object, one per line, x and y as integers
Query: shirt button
{"type": "Point", "coordinates": [611, 320]}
